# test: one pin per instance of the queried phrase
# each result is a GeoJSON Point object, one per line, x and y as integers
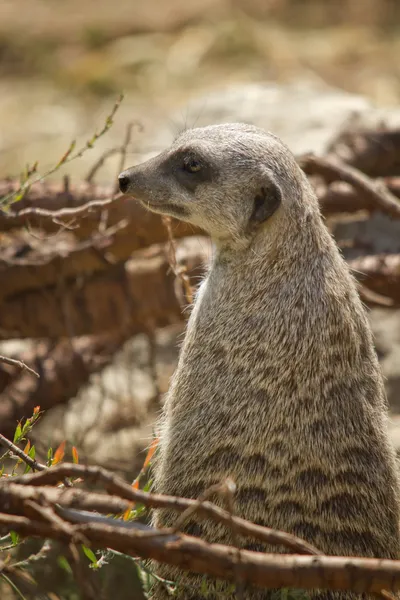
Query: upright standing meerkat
{"type": "Point", "coordinates": [278, 385]}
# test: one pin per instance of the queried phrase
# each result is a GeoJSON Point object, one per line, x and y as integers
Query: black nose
{"type": "Point", "coordinates": [123, 181]}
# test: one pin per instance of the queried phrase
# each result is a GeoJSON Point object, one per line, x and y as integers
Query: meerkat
{"type": "Point", "coordinates": [278, 384]}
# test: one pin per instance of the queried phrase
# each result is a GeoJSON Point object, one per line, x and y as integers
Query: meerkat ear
{"type": "Point", "coordinates": [266, 202]}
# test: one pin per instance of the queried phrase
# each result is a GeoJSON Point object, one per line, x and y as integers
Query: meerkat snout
{"type": "Point", "coordinates": [123, 182]}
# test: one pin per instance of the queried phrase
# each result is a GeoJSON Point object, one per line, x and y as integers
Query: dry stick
{"type": "Point", "coordinates": [68, 213]}
{"type": "Point", "coordinates": [47, 514]}
{"type": "Point", "coordinates": [331, 169]}
{"type": "Point", "coordinates": [179, 271]}
{"type": "Point", "coordinates": [18, 363]}
{"type": "Point", "coordinates": [190, 510]}
{"type": "Point", "coordinates": [100, 162]}
{"type": "Point", "coordinates": [117, 486]}
{"type": "Point", "coordinates": [228, 490]}
{"type": "Point", "coordinates": [124, 147]}
{"type": "Point", "coordinates": [373, 298]}
{"type": "Point", "coordinates": [269, 571]}
{"type": "Point", "coordinates": [34, 464]}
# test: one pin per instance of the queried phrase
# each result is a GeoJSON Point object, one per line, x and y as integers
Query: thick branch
{"type": "Point", "coordinates": [94, 255]}
{"type": "Point", "coordinates": [192, 554]}
{"type": "Point", "coordinates": [63, 367]}
{"type": "Point", "coordinates": [375, 152]}
{"type": "Point", "coordinates": [375, 193]}
{"type": "Point", "coordinates": [129, 296]}
{"type": "Point", "coordinates": [380, 273]}
{"type": "Point", "coordinates": [14, 496]}
{"type": "Point", "coordinates": [341, 197]}
{"type": "Point", "coordinates": [167, 546]}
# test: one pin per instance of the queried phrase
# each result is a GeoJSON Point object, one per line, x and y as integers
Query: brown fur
{"type": "Point", "coordinates": [278, 385]}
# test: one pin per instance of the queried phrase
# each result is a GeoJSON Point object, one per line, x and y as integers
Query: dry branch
{"type": "Point", "coordinates": [34, 464]}
{"type": "Point", "coordinates": [216, 560]}
{"type": "Point", "coordinates": [17, 363]}
{"type": "Point", "coordinates": [18, 496]}
{"type": "Point", "coordinates": [341, 197]}
{"type": "Point", "coordinates": [380, 273]}
{"type": "Point", "coordinates": [129, 296]}
{"type": "Point", "coordinates": [138, 229]}
{"type": "Point", "coordinates": [375, 193]}
{"type": "Point", "coordinates": [46, 206]}
{"type": "Point", "coordinates": [14, 496]}
{"type": "Point", "coordinates": [64, 367]}
{"type": "Point", "coordinates": [54, 196]}
{"type": "Point", "coordinates": [374, 152]}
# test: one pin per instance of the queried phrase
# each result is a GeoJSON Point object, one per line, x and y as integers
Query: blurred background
{"type": "Point", "coordinates": [63, 63]}
{"type": "Point", "coordinates": [302, 68]}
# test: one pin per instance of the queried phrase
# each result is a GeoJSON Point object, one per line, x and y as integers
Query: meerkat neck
{"type": "Point", "coordinates": [289, 245]}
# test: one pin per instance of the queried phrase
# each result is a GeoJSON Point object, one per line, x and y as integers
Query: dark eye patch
{"type": "Point", "coordinates": [177, 165]}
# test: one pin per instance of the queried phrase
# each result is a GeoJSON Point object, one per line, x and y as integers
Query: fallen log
{"type": "Point", "coordinates": [379, 273]}
{"type": "Point", "coordinates": [374, 192]}
{"type": "Point", "coordinates": [341, 197]}
{"type": "Point", "coordinates": [375, 152]}
{"type": "Point", "coordinates": [133, 295]}
{"type": "Point", "coordinates": [63, 368]}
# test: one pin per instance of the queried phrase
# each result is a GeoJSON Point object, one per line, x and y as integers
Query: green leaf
{"type": "Point", "coordinates": [26, 427]}
{"type": "Point", "coordinates": [90, 554]}
{"type": "Point", "coordinates": [14, 537]}
{"type": "Point", "coordinates": [148, 485]}
{"type": "Point", "coordinates": [64, 564]}
{"type": "Point", "coordinates": [17, 434]}
{"type": "Point", "coordinates": [203, 588]}
{"type": "Point", "coordinates": [49, 456]}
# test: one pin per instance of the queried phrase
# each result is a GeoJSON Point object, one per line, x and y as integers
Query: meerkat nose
{"type": "Point", "coordinates": [123, 181]}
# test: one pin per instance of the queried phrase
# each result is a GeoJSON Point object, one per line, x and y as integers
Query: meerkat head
{"type": "Point", "coordinates": [230, 180]}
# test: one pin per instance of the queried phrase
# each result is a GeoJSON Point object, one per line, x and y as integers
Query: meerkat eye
{"type": "Point", "coordinates": [191, 165]}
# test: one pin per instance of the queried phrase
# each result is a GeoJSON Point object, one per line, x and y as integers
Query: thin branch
{"type": "Point", "coordinates": [18, 363]}
{"type": "Point", "coordinates": [100, 162]}
{"type": "Point", "coordinates": [124, 149]}
{"type": "Point", "coordinates": [179, 271]}
{"type": "Point", "coordinates": [34, 464]}
{"type": "Point", "coordinates": [68, 156]}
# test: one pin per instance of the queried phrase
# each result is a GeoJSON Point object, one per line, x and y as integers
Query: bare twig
{"type": "Point", "coordinates": [379, 273]}
{"type": "Point", "coordinates": [18, 363]}
{"type": "Point", "coordinates": [179, 271]}
{"type": "Point", "coordinates": [68, 156]}
{"type": "Point", "coordinates": [34, 464]}
{"type": "Point", "coordinates": [124, 149]}
{"type": "Point", "coordinates": [100, 162]}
